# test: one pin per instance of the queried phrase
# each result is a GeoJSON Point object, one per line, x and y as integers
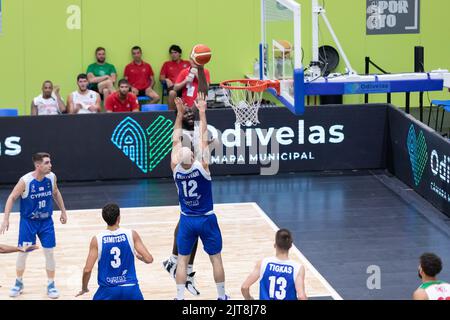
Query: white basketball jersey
{"type": "Point", "coordinates": [193, 137]}
{"type": "Point", "coordinates": [437, 290]}
{"type": "Point", "coordinates": [86, 100]}
{"type": "Point", "coordinates": [46, 106]}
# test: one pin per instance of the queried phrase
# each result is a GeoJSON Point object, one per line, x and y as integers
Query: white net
{"type": "Point", "coordinates": [244, 102]}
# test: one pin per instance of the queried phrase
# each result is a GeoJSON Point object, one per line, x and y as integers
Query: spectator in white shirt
{"type": "Point", "coordinates": [49, 102]}
{"type": "Point", "coordinates": [83, 100]}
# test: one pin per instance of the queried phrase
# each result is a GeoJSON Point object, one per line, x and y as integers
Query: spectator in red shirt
{"type": "Point", "coordinates": [170, 71]}
{"type": "Point", "coordinates": [187, 82]}
{"type": "Point", "coordinates": [122, 100]}
{"type": "Point", "coordinates": [140, 76]}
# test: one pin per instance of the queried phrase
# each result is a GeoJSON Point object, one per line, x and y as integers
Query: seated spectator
{"type": "Point", "coordinates": [170, 71]}
{"type": "Point", "coordinates": [140, 76]}
{"type": "Point", "coordinates": [122, 100]}
{"type": "Point", "coordinates": [49, 102]}
{"type": "Point", "coordinates": [188, 83]}
{"type": "Point", "coordinates": [102, 75]}
{"type": "Point", "coordinates": [83, 100]}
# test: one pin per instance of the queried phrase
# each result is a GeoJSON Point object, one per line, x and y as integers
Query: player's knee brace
{"type": "Point", "coordinates": [21, 260]}
{"type": "Point", "coordinates": [49, 259]}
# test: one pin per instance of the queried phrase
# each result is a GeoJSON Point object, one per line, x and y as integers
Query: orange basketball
{"type": "Point", "coordinates": [201, 54]}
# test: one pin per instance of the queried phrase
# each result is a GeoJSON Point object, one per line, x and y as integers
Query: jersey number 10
{"type": "Point", "coordinates": [42, 204]}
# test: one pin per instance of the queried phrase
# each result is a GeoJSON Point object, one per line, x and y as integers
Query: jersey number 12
{"type": "Point", "coordinates": [192, 185]}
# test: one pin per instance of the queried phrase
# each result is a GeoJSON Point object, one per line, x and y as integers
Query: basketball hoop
{"type": "Point", "coordinates": [245, 96]}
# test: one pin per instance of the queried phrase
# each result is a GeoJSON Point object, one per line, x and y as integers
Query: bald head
{"type": "Point", "coordinates": [186, 157]}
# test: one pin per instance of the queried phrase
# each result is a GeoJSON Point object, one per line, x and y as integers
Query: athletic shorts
{"type": "Point", "coordinates": [44, 229]}
{"type": "Point", "coordinates": [119, 293]}
{"type": "Point", "coordinates": [141, 93]}
{"type": "Point", "coordinates": [193, 227]}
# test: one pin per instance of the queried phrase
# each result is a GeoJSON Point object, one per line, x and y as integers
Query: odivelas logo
{"type": "Point", "coordinates": [146, 148]}
{"type": "Point", "coordinates": [418, 154]}
{"type": "Point", "coordinates": [257, 141]}
{"type": "Point", "coordinates": [439, 165]}
{"type": "Point", "coordinates": [10, 147]}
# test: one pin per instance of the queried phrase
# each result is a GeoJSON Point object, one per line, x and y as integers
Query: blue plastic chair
{"type": "Point", "coordinates": [154, 107]}
{"type": "Point", "coordinates": [445, 105]}
{"type": "Point", "coordinates": [9, 113]}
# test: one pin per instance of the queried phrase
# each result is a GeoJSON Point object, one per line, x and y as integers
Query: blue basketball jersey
{"type": "Point", "coordinates": [194, 190]}
{"type": "Point", "coordinates": [36, 202]}
{"type": "Point", "coordinates": [116, 258]}
{"type": "Point", "coordinates": [277, 279]}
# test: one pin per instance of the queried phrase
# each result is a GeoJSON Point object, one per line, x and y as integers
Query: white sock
{"type": "Point", "coordinates": [173, 258]}
{"type": "Point", "coordinates": [180, 291]}
{"type": "Point", "coordinates": [50, 280]}
{"type": "Point", "coordinates": [221, 290]}
{"type": "Point", "coordinates": [20, 279]}
{"type": "Point", "coordinates": [190, 269]}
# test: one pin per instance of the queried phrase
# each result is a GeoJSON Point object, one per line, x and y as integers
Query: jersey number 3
{"type": "Point", "coordinates": [192, 185]}
{"type": "Point", "coordinates": [280, 292]}
{"type": "Point", "coordinates": [115, 263]}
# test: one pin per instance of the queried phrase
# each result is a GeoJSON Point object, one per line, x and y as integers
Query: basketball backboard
{"type": "Point", "coordinates": [280, 50]}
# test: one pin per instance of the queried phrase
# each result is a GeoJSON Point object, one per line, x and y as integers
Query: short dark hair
{"type": "Point", "coordinates": [47, 81]}
{"type": "Point", "coordinates": [136, 48]}
{"type": "Point", "coordinates": [283, 239]}
{"type": "Point", "coordinates": [431, 264]}
{"type": "Point", "coordinates": [110, 213]}
{"type": "Point", "coordinates": [176, 48]}
{"type": "Point", "coordinates": [38, 157]}
{"type": "Point", "coordinates": [82, 76]}
{"type": "Point", "coordinates": [99, 49]}
{"type": "Point", "coordinates": [123, 81]}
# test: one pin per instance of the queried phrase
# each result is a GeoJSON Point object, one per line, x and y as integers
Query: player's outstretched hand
{"type": "Point", "coordinates": [4, 227]}
{"type": "Point", "coordinates": [28, 248]}
{"type": "Point", "coordinates": [180, 105]}
{"type": "Point", "coordinates": [83, 291]}
{"type": "Point", "coordinates": [63, 218]}
{"type": "Point", "coordinates": [200, 103]}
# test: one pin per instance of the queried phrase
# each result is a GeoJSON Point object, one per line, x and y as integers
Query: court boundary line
{"type": "Point", "coordinates": [333, 292]}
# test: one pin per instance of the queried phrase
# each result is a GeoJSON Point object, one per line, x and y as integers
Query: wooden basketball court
{"type": "Point", "coordinates": [248, 235]}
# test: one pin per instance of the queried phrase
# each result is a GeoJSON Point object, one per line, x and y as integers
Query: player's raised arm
{"type": "Point", "coordinates": [201, 105]}
{"type": "Point", "coordinates": [251, 279]}
{"type": "Point", "coordinates": [300, 284]}
{"type": "Point", "coordinates": [202, 81]}
{"type": "Point", "coordinates": [141, 250]}
{"type": "Point", "coordinates": [90, 262]}
{"type": "Point", "coordinates": [177, 134]}
{"type": "Point", "coordinates": [60, 202]}
{"type": "Point", "coordinates": [15, 194]}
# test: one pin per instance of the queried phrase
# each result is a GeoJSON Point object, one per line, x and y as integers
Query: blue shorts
{"type": "Point", "coordinates": [205, 227]}
{"type": "Point", "coordinates": [44, 229]}
{"type": "Point", "coordinates": [119, 293]}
